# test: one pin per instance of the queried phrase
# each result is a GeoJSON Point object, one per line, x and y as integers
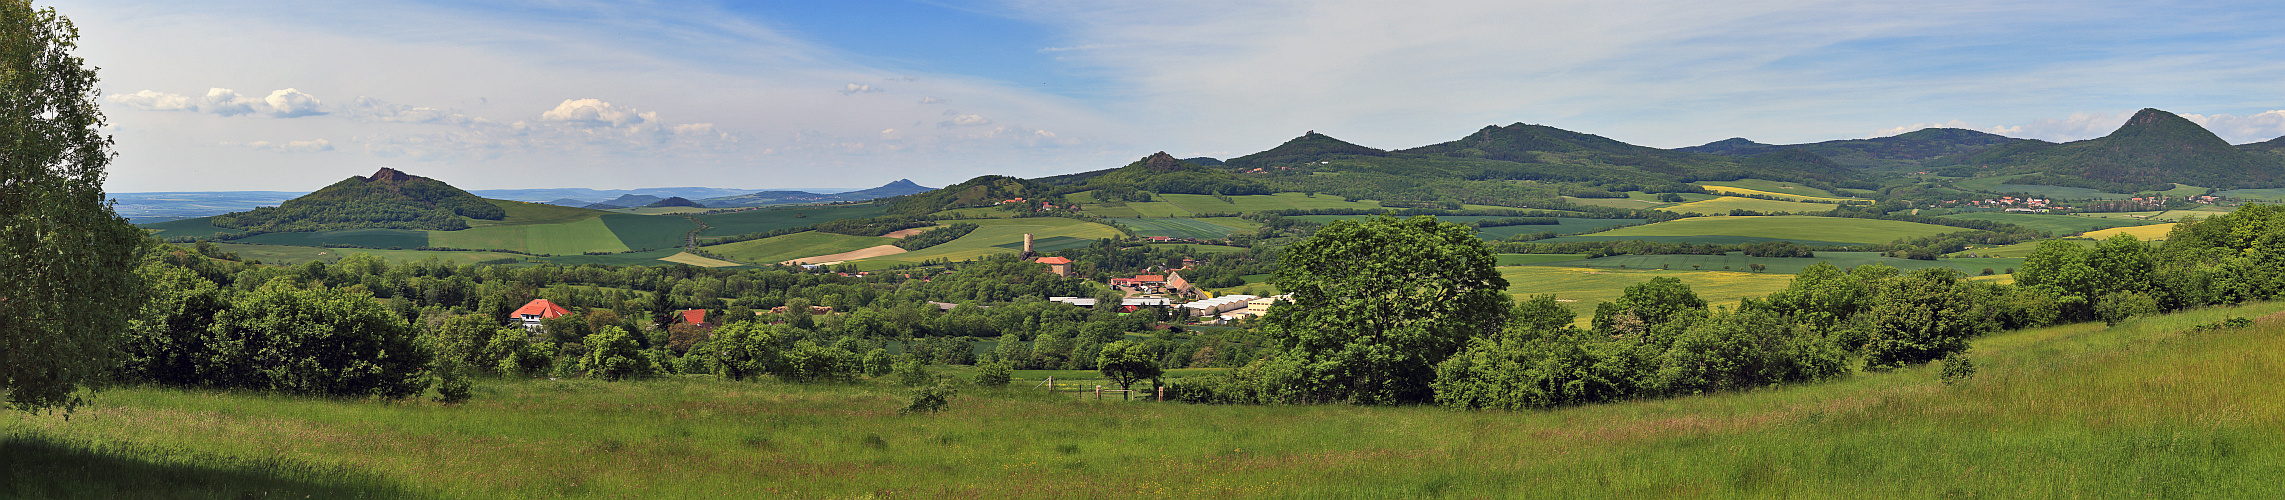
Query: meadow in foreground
{"type": "Point", "coordinates": [2152, 407]}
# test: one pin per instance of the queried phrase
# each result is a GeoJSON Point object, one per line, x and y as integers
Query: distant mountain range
{"type": "Point", "coordinates": [899, 188]}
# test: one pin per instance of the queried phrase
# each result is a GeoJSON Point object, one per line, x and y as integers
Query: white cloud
{"type": "Point", "coordinates": [376, 110]}
{"type": "Point", "coordinates": [285, 103]}
{"type": "Point", "coordinates": [858, 88]}
{"type": "Point", "coordinates": [2258, 127]}
{"type": "Point", "coordinates": [316, 146]}
{"type": "Point", "coordinates": [155, 101]}
{"type": "Point", "coordinates": [596, 113]}
{"type": "Point", "coordinates": [964, 120]}
{"type": "Point", "coordinates": [931, 100]}
{"type": "Point", "coordinates": [292, 103]}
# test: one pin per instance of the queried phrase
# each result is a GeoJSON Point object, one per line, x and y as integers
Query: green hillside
{"type": "Point", "coordinates": [2058, 225]}
{"type": "Point", "coordinates": [1309, 147]}
{"type": "Point", "coordinates": [388, 199]}
{"type": "Point", "coordinates": [1898, 153]}
{"type": "Point", "coordinates": [794, 246]}
{"type": "Point", "coordinates": [2150, 152]}
{"type": "Point", "coordinates": [772, 219]}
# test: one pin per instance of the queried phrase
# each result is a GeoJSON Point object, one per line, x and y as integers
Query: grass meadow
{"type": "Point", "coordinates": [373, 238]}
{"type": "Point", "coordinates": [2143, 409]}
{"type": "Point", "coordinates": [795, 246]}
{"type": "Point", "coordinates": [1724, 205]}
{"type": "Point", "coordinates": [294, 255]}
{"type": "Point", "coordinates": [1773, 188]}
{"type": "Point", "coordinates": [1186, 205]}
{"type": "Point", "coordinates": [1788, 227]}
{"type": "Point", "coordinates": [1786, 195]}
{"type": "Point", "coordinates": [1178, 228]}
{"type": "Point", "coordinates": [521, 213]}
{"type": "Point", "coordinates": [572, 238]}
{"type": "Point", "coordinates": [2058, 225]}
{"type": "Point", "coordinates": [1006, 236]}
{"type": "Point", "coordinates": [772, 219]}
{"type": "Point", "coordinates": [1583, 287]}
{"type": "Point", "coordinates": [1737, 261]}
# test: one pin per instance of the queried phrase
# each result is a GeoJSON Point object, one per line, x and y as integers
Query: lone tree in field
{"type": "Point", "coordinates": [67, 262]}
{"type": "Point", "coordinates": [1127, 362]}
{"type": "Point", "coordinates": [1377, 303]}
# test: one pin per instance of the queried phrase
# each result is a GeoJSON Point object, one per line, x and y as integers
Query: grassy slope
{"type": "Point", "coordinates": [1185, 205]}
{"type": "Point", "coordinates": [697, 260]}
{"type": "Point", "coordinates": [2059, 225]}
{"type": "Point", "coordinates": [521, 214]}
{"type": "Point", "coordinates": [772, 219]}
{"type": "Point", "coordinates": [199, 227]}
{"type": "Point", "coordinates": [1178, 228]}
{"type": "Point", "coordinates": [641, 232]}
{"type": "Point", "coordinates": [573, 238]}
{"type": "Point", "coordinates": [280, 254]}
{"type": "Point", "coordinates": [376, 238]}
{"type": "Point", "coordinates": [1006, 236]}
{"type": "Point", "coordinates": [1582, 287]}
{"type": "Point", "coordinates": [1786, 227]}
{"type": "Point", "coordinates": [1772, 187]}
{"type": "Point", "coordinates": [2146, 233]}
{"type": "Point", "coordinates": [1736, 261]}
{"type": "Point", "coordinates": [2074, 411]}
{"type": "Point", "coordinates": [797, 245]}
{"type": "Point", "coordinates": [1725, 204]}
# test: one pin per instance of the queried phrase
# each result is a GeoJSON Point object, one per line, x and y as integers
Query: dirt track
{"type": "Point", "coordinates": [901, 233]}
{"type": "Point", "coordinates": [862, 253]}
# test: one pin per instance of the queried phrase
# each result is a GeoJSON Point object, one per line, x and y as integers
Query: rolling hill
{"type": "Point", "coordinates": [388, 199]}
{"type": "Point", "coordinates": [1896, 153]}
{"type": "Point", "coordinates": [899, 188]}
{"type": "Point", "coordinates": [2151, 152]}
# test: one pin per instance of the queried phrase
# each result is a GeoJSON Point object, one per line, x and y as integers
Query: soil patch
{"type": "Point", "coordinates": [862, 253]}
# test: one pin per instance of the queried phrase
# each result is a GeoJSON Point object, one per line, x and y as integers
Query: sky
{"type": "Point", "coordinates": [273, 95]}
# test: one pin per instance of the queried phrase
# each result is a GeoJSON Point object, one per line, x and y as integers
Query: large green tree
{"type": "Point", "coordinates": [67, 262]}
{"type": "Point", "coordinates": [1377, 302]}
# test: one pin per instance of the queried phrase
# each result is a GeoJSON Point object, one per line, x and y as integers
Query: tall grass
{"type": "Point", "coordinates": [2141, 409]}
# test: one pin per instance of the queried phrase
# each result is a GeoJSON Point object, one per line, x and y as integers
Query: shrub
{"type": "Point", "coordinates": [613, 355]}
{"type": "Point", "coordinates": [1957, 368]}
{"type": "Point", "coordinates": [993, 375]}
{"type": "Point", "coordinates": [934, 398]}
{"type": "Point", "coordinates": [910, 372]}
{"type": "Point", "coordinates": [2117, 307]}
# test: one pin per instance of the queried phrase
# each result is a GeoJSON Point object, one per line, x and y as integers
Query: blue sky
{"type": "Point", "coordinates": [272, 95]}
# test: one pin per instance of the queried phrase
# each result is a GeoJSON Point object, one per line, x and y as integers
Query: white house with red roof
{"type": "Point", "coordinates": [1056, 265]}
{"type": "Point", "coordinates": [536, 310]}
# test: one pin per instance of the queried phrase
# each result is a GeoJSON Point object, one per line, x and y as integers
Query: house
{"type": "Point", "coordinates": [1256, 307]}
{"type": "Point", "coordinates": [1056, 265]}
{"type": "Point", "coordinates": [538, 309]}
{"type": "Point", "coordinates": [1217, 305]}
{"type": "Point", "coordinates": [1175, 284]}
{"type": "Point", "coordinates": [1129, 304]}
{"type": "Point", "coordinates": [692, 317]}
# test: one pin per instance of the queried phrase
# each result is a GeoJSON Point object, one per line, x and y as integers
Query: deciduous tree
{"type": "Point", "coordinates": [1377, 302]}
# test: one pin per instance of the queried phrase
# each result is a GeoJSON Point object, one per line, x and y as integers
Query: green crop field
{"type": "Point", "coordinates": [374, 238]}
{"type": "Point", "coordinates": [295, 255]}
{"type": "Point", "coordinates": [1700, 240]}
{"type": "Point", "coordinates": [1238, 223]}
{"type": "Point", "coordinates": [2272, 195]}
{"type": "Point", "coordinates": [1724, 205]}
{"type": "Point", "coordinates": [1582, 287]}
{"type": "Point", "coordinates": [2058, 225]}
{"type": "Point", "coordinates": [1566, 225]}
{"type": "Point", "coordinates": [1185, 205]}
{"type": "Point", "coordinates": [2019, 250]}
{"type": "Point", "coordinates": [1787, 227]}
{"type": "Point", "coordinates": [1737, 261]}
{"type": "Point", "coordinates": [639, 232]}
{"type": "Point", "coordinates": [1634, 200]}
{"type": "Point", "coordinates": [1518, 259]}
{"type": "Point", "coordinates": [1006, 236]}
{"type": "Point", "coordinates": [1178, 228]}
{"type": "Point", "coordinates": [521, 213]}
{"type": "Point", "coordinates": [647, 258]}
{"type": "Point", "coordinates": [2143, 409]}
{"type": "Point", "coordinates": [589, 235]}
{"type": "Point", "coordinates": [772, 219]}
{"type": "Point", "coordinates": [202, 227]}
{"type": "Point", "coordinates": [794, 246]}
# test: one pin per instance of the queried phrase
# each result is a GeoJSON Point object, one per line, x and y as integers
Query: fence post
{"type": "Point", "coordinates": [1162, 394]}
{"type": "Point", "coordinates": [1051, 384]}
{"type": "Point", "coordinates": [1098, 393]}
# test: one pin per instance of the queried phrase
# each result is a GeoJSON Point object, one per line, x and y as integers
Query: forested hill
{"type": "Point", "coordinates": [1310, 147]}
{"type": "Point", "coordinates": [1902, 152]}
{"type": "Point", "coordinates": [389, 199]}
{"type": "Point", "coordinates": [978, 192]}
{"type": "Point", "coordinates": [2150, 152]}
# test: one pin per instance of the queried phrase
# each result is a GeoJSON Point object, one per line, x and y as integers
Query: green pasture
{"type": "Point", "coordinates": [2058, 225]}
{"type": "Point", "coordinates": [658, 210]}
{"type": "Point", "coordinates": [639, 232]}
{"type": "Point", "coordinates": [1518, 259]}
{"type": "Point", "coordinates": [1786, 227]}
{"type": "Point", "coordinates": [374, 238]}
{"type": "Point", "coordinates": [1178, 228]}
{"type": "Point", "coordinates": [645, 258]}
{"type": "Point", "coordinates": [295, 255]}
{"type": "Point", "coordinates": [1737, 261]}
{"type": "Point", "coordinates": [772, 219]}
{"type": "Point", "coordinates": [2143, 409]}
{"type": "Point", "coordinates": [1565, 225]}
{"type": "Point", "coordinates": [980, 213]}
{"type": "Point", "coordinates": [1635, 200]}
{"type": "Point", "coordinates": [1725, 204]}
{"type": "Point", "coordinates": [1185, 205]}
{"type": "Point", "coordinates": [2272, 195]}
{"type": "Point", "coordinates": [590, 235]}
{"type": "Point", "coordinates": [1006, 236]}
{"type": "Point", "coordinates": [1238, 223]}
{"type": "Point", "coordinates": [202, 227]}
{"type": "Point", "coordinates": [521, 213]}
{"type": "Point", "coordinates": [2019, 250]}
{"type": "Point", "coordinates": [1582, 287]}
{"type": "Point", "coordinates": [797, 245]}
{"type": "Point", "coordinates": [1999, 184]}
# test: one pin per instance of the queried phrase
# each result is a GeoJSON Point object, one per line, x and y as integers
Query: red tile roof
{"type": "Point", "coordinates": [541, 308]}
{"type": "Point", "coordinates": [1149, 278]}
{"type": "Point", "coordinates": [1053, 260]}
{"type": "Point", "coordinates": [693, 316]}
